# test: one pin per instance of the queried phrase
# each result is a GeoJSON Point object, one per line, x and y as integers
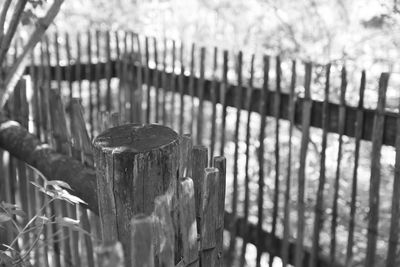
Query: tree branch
{"type": "Point", "coordinates": [3, 16]}
{"type": "Point", "coordinates": [54, 166]}
{"type": "Point", "coordinates": [18, 68]}
{"type": "Point", "coordinates": [12, 27]}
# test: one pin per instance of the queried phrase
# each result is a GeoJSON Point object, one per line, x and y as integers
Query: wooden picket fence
{"type": "Point", "coordinates": [290, 148]}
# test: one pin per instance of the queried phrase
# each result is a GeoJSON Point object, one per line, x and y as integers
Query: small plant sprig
{"type": "Point", "coordinates": [9, 214]}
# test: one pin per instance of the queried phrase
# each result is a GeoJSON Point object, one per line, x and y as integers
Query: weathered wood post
{"type": "Point", "coordinates": [134, 164]}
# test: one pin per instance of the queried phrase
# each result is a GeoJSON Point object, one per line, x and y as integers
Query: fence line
{"type": "Point", "coordinates": [317, 106]}
{"type": "Point", "coordinates": [143, 87]}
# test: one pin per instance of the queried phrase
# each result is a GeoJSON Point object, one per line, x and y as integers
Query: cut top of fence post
{"type": "Point", "coordinates": [135, 138]}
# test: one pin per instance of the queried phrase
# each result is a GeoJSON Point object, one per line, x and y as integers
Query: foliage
{"type": "Point", "coordinates": [358, 31]}
{"type": "Point", "coordinates": [35, 226]}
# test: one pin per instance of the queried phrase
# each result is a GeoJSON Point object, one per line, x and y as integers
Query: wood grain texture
{"type": "Point", "coordinates": [185, 158]}
{"type": "Point", "coordinates": [199, 163]}
{"type": "Point", "coordinates": [164, 233]}
{"type": "Point", "coordinates": [187, 222]}
{"type": "Point", "coordinates": [136, 164]}
{"type": "Point", "coordinates": [141, 236]}
{"type": "Point", "coordinates": [220, 164]}
{"type": "Point", "coordinates": [209, 217]}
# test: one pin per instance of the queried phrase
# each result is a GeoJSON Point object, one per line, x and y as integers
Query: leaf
{"type": "Point", "coordinates": [18, 212]}
{"type": "Point", "coordinates": [42, 220]}
{"type": "Point", "coordinates": [7, 205]}
{"type": "Point", "coordinates": [71, 223]}
{"type": "Point", "coordinates": [66, 221]}
{"type": "Point", "coordinates": [38, 186]}
{"type": "Point", "coordinates": [59, 183]}
{"type": "Point", "coordinates": [5, 260]}
{"type": "Point", "coordinates": [4, 217]}
{"type": "Point", "coordinates": [65, 195]}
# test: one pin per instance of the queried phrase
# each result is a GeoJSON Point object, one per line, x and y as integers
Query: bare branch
{"type": "Point", "coordinates": [18, 67]}
{"type": "Point", "coordinates": [12, 27]}
{"type": "Point", "coordinates": [3, 16]}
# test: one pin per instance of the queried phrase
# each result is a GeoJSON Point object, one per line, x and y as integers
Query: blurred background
{"type": "Point", "coordinates": [364, 32]}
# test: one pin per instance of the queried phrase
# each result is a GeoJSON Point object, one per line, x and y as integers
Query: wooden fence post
{"type": "Point", "coordinates": [142, 252]}
{"type": "Point", "coordinates": [187, 223]}
{"type": "Point", "coordinates": [209, 217]}
{"type": "Point", "coordinates": [134, 164]}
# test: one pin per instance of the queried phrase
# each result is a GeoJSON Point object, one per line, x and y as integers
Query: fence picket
{"type": "Point", "coordinates": [97, 72]}
{"type": "Point", "coordinates": [319, 209]}
{"type": "Point", "coordinates": [238, 104]}
{"type": "Point", "coordinates": [21, 113]}
{"type": "Point", "coordinates": [88, 73]}
{"type": "Point", "coordinates": [173, 86]}
{"type": "Point", "coordinates": [200, 95]}
{"type": "Point", "coordinates": [164, 231]}
{"type": "Point", "coordinates": [147, 79]}
{"type": "Point", "coordinates": [277, 106]}
{"type": "Point", "coordinates": [181, 89]}
{"type": "Point", "coordinates": [107, 70]}
{"type": "Point", "coordinates": [306, 113]}
{"type": "Point", "coordinates": [187, 223]}
{"type": "Point", "coordinates": [156, 81]}
{"type": "Point", "coordinates": [139, 91]}
{"type": "Point", "coordinates": [395, 212]}
{"type": "Point", "coordinates": [286, 216]}
{"type": "Point", "coordinates": [260, 157]}
{"type": "Point", "coordinates": [62, 145]}
{"type": "Point", "coordinates": [220, 164]}
{"type": "Point", "coordinates": [125, 82]}
{"type": "Point", "coordinates": [213, 91]}
{"type": "Point", "coordinates": [247, 160]}
{"type": "Point", "coordinates": [58, 63]}
{"type": "Point", "coordinates": [209, 216]}
{"type": "Point", "coordinates": [118, 70]}
{"type": "Point", "coordinates": [341, 128]}
{"type": "Point", "coordinates": [359, 129]}
{"type": "Point", "coordinates": [78, 64]}
{"type": "Point", "coordinates": [68, 74]}
{"type": "Point", "coordinates": [81, 143]}
{"type": "Point", "coordinates": [192, 86]}
{"type": "Point", "coordinates": [223, 92]}
{"type": "Point", "coordinates": [142, 251]}
{"type": "Point", "coordinates": [199, 163]}
{"type": "Point", "coordinates": [185, 164]}
{"type": "Point", "coordinates": [375, 180]}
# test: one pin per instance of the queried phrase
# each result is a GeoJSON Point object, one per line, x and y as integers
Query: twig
{"type": "Point", "coordinates": [12, 220]}
{"type": "Point", "coordinates": [31, 221]}
{"type": "Point", "coordinates": [18, 68]}
{"type": "Point", "coordinates": [12, 27]}
{"type": "Point", "coordinates": [32, 246]}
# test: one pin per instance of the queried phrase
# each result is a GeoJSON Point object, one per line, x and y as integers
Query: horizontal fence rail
{"type": "Point", "coordinates": [389, 136]}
